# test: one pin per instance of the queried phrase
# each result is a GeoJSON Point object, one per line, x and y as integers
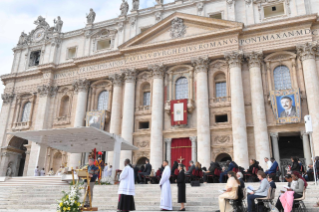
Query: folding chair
{"type": "Point", "coordinates": [299, 205]}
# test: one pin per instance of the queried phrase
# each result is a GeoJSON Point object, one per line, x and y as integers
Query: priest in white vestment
{"type": "Point", "coordinates": [127, 188]}
{"type": "Point", "coordinates": [166, 195]}
{"type": "Point", "coordinates": [36, 171]}
{"type": "Point", "coordinates": [105, 170]}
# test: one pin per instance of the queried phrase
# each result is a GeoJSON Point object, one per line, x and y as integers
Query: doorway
{"type": "Point", "coordinates": [181, 151]}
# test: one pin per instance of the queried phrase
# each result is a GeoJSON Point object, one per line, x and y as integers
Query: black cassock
{"type": "Point", "coordinates": [181, 187]}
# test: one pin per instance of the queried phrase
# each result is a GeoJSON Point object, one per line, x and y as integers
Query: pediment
{"type": "Point", "coordinates": [181, 26]}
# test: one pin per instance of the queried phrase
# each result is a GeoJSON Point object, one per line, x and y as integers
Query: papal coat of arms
{"type": "Point", "coordinates": [178, 28]}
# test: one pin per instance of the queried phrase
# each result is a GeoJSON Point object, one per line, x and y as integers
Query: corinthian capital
{"type": "Point", "coordinates": [117, 79]}
{"type": "Point", "coordinates": [234, 59]}
{"type": "Point", "coordinates": [47, 90]}
{"type": "Point", "coordinates": [158, 70]}
{"type": "Point", "coordinates": [129, 74]}
{"type": "Point", "coordinates": [200, 63]}
{"type": "Point", "coordinates": [81, 85]}
{"type": "Point", "coordinates": [7, 97]}
{"type": "Point", "coordinates": [307, 51]}
{"type": "Point", "coordinates": [254, 59]}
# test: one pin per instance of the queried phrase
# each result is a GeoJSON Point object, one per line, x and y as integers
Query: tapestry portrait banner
{"type": "Point", "coordinates": [179, 112]}
{"type": "Point", "coordinates": [95, 119]}
{"type": "Point", "coordinates": [286, 106]}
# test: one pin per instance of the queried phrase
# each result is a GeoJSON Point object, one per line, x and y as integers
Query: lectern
{"type": "Point", "coordinates": [83, 173]}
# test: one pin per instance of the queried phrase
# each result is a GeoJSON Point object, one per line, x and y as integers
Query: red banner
{"type": "Point", "coordinates": [181, 151]}
{"type": "Point", "coordinates": [179, 112]}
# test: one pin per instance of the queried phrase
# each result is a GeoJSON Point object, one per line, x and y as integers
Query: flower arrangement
{"type": "Point", "coordinates": [70, 200]}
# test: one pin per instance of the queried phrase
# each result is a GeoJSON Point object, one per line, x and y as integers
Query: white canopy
{"type": "Point", "coordinates": [75, 140]}
{"type": "Point", "coordinates": [79, 140]}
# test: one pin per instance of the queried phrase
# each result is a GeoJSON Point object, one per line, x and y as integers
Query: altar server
{"type": "Point", "coordinates": [105, 170]}
{"type": "Point", "coordinates": [36, 171]}
{"type": "Point", "coordinates": [42, 172]}
{"type": "Point", "coordinates": [127, 188]}
{"type": "Point", "coordinates": [166, 194]}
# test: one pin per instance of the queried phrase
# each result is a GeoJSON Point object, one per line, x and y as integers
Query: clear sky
{"type": "Point", "coordinates": [18, 15]}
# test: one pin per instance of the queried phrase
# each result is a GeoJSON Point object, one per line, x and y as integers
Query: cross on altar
{"type": "Point", "coordinates": [180, 159]}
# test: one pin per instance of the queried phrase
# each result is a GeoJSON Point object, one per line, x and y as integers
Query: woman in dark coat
{"type": "Point", "coordinates": [181, 186]}
{"type": "Point", "coordinates": [295, 165]}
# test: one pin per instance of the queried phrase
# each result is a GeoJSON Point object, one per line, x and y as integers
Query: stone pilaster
{"type": "Point", "coordinates": [80, 86]}
{"type": "Point", "coordinates": [168, 142]}
{"type": "Point", "coordinates": [194, 148]}
{"type": "Point", "coordinates": [258, 107]}
{"type": "Point", "coordinates": [307, 53]}
{"type": "Point", "coordinates": [275, 147]}
{"type": "Point", "coordinates": [306, 148]}
{"type": "Point", "coordinates": [203, 127]}
{"type": "Point", "coordinates": [115, 123]}
{"type": "Point", "coordinates": [128, 112]}
{"type": "Point", "coordinates": [156, 154]}
{"type": "Point", "coordinates": [38, 152]}
{"type": "Point", "coordinates": [240, 146]}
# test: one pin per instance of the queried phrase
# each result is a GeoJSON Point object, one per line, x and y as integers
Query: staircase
{"type": "Point", "coordinates": [34, 197]}
{"type": "Point", "coordinates": [33, 181]}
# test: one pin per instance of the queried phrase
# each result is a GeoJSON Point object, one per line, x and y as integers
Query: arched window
{"type": "Point", "coordinates": [146, 94]}
{"type": "Point", "coordinates": [103, 100]}
{"type": "Point", "coordinates": [26, 112]}
{"type": "Point", "coordinates": [220, 86]}
{"type": "Point", "coordinates": [282, 78]}
{"type": "Point", "coordinates": [181, 88]}
{"type": "Point", "coordinates": [64, 107]}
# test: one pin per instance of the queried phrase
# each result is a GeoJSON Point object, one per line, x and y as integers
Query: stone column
{"type": "Point", "coordinates": [194, 148]}
{"type": "Point", "coordinates": [203, 126]}
{"type": "Point", "coordinates": [306, 148]}
{"type": "Point", "coordinates": [274, 139]}
{"type": "Point", "coordinates": [156, 153]}
{"type": "Point", "coordinates": [258, 108]}
{"type": "Point", "coordinates": [240, 146]}
{"type": "Point", "coordinates": [115, 123]}
{"type": "Point", "coordinates": [80, 86]}
{"type": "Point", "coordinates": [307, 53]}
{"type": "Point", "coordinates": [27, 157]}
{"type": "Point", "coordinates": [128, 113]}
{"type": "Point", "coordinates": [168, 142]}
{"type": "Point", "coordinates": [38, 152]}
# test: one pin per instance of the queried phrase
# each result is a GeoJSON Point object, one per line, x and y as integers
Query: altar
{"type": "Point", "coordinates": [79, 140]}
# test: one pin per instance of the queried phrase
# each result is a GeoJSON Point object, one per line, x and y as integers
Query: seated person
{"type": "Point", "coordinates": [198, 166]}
{"type": "Point", "coordinates": [297, 185]}
{"type": "Point", "coordinates": [191, 168]}
{"type": "Point", "coordinates": [310, 174]}
{"type": "Point", "coordinates": [93, 173]}
{"type": "Point", "coordinates": [252, 168]}
{"type": "Point", "coordinates": [231, 165]}
{"type": "Point", "coordinates": [230, 192]}
{"type": "Point", "coordinates": [271, 180]}
{"type": "Point", "coordinates": [240, 178]}
{"type": "Point", "coordinates": [261, 192]}
{"type": "Point", "coordinates": [273, 168]}
{"type": "Point", "coordinates": [210, 171]}
{"type": "Point", "coordinates": [147, 171]}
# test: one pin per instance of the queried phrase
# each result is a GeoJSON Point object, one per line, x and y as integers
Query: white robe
{"type": "Point", "coordinates": [105, 171]}
{"type": "Point", "coordinates": [166, 195]}
{"type": "Point", "coordinates": [36, 172]}
{"type": "Point", "coordinates": [42, 173]}
{"type": "Point", "coordinates": [127, 185]}
{"type": "Point", "coordinates": [109, 172]}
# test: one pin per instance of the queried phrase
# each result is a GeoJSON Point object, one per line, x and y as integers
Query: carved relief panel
{"type": "Point", "coordinates": [23, 111]}
{"type": "Point", "coordinates": [63, 110]}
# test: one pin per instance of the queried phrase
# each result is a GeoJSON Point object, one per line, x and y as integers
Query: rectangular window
{"type": "Point", "coordinates": [35, 58]}
{"type": "Point", "coordinates": [216, 16]}
{"type": "Point", "coordinates": [71, 53]}
{"type": "Point", "coordinates": [221, 118]}
{"type": "Point", "coordinates": [103, 44]}
{"type": "Point", "coordinates": [221, 89]}
{"type": "Point", "coordinates": [146, 98]}
{"type": "Point", "coordinates": [274, 10]}
{"type": "Point", "coordinates": [144, 125]}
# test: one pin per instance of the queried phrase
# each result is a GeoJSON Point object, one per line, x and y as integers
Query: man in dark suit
{"type": "Point", "coordinates": [191, 168]}
{"type": "Point", "coordinates": [290, 110]}
{"type": "Point", "coordinates": [231, 165]}
{"type": "Point", "coordinates": [147, 172]}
